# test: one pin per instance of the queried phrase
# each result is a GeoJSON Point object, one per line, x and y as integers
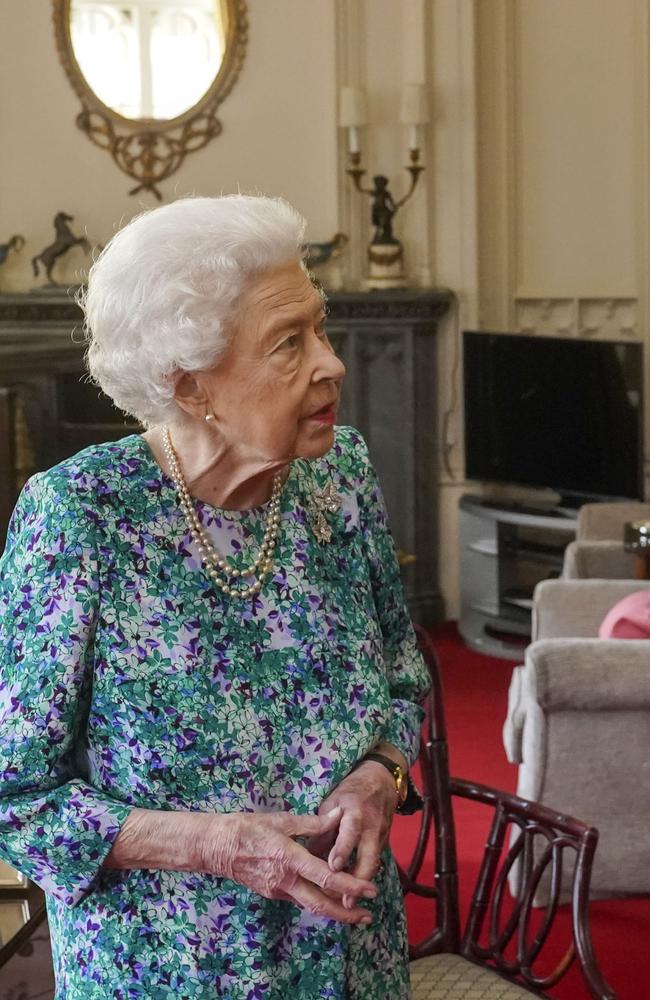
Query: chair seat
{"type": "Point", "coordinates": [452, 977]}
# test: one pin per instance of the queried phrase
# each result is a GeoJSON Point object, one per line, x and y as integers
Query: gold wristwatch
{"type": "Point", "coordinates": [400, 776]}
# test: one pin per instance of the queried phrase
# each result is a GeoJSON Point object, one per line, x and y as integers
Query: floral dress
{"type": "Point", "coordinates": [127, 679]}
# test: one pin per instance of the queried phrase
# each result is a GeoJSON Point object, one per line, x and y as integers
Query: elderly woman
{"type": "Point", "coordinates": [209, 681]}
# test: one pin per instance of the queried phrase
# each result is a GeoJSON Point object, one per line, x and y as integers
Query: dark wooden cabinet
{"type": "Point", "coordinates": [387, 342]}
{"type": "Point", "coordinates": [48, 410]}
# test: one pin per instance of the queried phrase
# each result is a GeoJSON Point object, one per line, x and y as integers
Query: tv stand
{"type": "Point", "coordinates": [556, 510]}
{"type": "Point", "coordinates": [505, 552]}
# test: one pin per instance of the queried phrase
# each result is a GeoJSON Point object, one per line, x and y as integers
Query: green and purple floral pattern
{"type": "Point", "coordinates": [127, 679]}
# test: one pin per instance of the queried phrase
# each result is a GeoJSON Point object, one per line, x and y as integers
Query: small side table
{"type": "Point", "coordinates": [636, 539]}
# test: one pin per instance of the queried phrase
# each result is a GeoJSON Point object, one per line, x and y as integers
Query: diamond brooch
{"type": "Point", "coordinates": [323, 501]}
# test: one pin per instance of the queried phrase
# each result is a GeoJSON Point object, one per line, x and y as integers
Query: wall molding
{"type": "Point", "coordinates": [642, 189]}
{"type": "Point", "coordinates": [350, 70]}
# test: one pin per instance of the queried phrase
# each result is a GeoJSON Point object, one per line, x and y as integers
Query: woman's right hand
{"type": "Point", "coordinates": [259, 850]}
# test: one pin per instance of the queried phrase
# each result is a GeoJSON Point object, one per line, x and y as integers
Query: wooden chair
{"type": "Point", "coordinates": [26, 971]}
{"type": "Point", "coordinates": [495, 956]}
{"type": "Point", "coordinates": [31, 901]}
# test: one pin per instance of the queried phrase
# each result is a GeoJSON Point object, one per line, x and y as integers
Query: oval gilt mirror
{"type": "Point", "coordinates": [150, 75]}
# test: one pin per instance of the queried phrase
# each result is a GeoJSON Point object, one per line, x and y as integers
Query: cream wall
{"type": "Point", "coordinates": [534, 205]}
{"type": "Point", "coordinates": [575, 147]}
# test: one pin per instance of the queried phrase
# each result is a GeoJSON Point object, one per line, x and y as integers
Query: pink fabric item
{"type": "Point", "coordinates": [629, 619]}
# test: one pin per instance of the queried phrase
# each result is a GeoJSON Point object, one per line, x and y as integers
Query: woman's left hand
{"type": "Point", "coordinates": [368, 799]}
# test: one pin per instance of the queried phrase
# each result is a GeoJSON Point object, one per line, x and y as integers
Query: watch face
{"type": "Point", "coordinates": [400, 783]}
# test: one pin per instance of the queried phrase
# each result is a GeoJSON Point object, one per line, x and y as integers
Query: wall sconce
{"type": "Point", "coordinates": [385, 252]}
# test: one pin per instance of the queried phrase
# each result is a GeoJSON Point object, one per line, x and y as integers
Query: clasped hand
{"type": "Point", "coordinates": [367, 800]}
{"type": "Point", "coordinates": [260, 850]}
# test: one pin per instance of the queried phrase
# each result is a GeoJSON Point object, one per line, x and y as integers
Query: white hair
{"type": "Point", "coordinates": [162, 294]}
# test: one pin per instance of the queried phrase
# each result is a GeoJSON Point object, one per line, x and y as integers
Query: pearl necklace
{"type": "Point", "coordinates": [223, 573]}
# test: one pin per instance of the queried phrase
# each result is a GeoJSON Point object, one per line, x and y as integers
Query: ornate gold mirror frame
{"type": "Point", "coordinates": [150, 150]}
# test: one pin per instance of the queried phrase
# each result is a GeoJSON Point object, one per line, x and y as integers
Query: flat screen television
{"type": "Point", "coordinates": [554, 412]}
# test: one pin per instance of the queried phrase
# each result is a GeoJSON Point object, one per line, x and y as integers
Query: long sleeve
{"type": "Point", "coordinates": [54, 826]}
{"type": "Point", "coordinates": [407, 674]}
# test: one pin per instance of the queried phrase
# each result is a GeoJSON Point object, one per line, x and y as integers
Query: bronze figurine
{"type": "Point", "coordinates": [65, 239]}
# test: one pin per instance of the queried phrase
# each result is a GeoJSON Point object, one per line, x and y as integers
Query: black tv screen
{"type": "Point", "coordinates": [555, 412]}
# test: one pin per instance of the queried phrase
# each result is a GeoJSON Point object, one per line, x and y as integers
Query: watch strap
{"type": "Point", "coordinates": [388, 762]}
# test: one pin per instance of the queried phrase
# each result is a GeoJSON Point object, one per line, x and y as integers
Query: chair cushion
{"type": "Point", "coordinates": [452, 977]}
{"type": "Point", "coordinates": [629, 619]}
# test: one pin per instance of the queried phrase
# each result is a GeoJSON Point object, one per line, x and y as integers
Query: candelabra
{"type": "Point", "coordinates": [385, 251]}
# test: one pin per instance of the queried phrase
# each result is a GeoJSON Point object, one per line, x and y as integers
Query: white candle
{"type": "Point", "coordinates": [353, 139]}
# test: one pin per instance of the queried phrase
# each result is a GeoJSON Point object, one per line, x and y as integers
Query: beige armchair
{"type": "Point", "coordinates": [598, 549]}
{"type": "Point", "coordinates": [601, 522]}
{"type": "Point", "coordinates": [578, 725]}
{"type": "Point", "coordinates": [597, 560]}
{"type": "Point", "coordinates": [575, 608]}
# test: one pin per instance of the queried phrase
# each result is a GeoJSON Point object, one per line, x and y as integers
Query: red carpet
{"type": "Point", "coordinates": [475, 700]}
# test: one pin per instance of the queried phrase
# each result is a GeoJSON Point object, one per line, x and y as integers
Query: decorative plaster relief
{"type": "Point", "coordinates": [606, 318]}
{"type": "Point", "coordinates": [550, 317]}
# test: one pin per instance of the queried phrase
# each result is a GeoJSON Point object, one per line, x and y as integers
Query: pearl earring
{"type": "Point", "coordinates": [209, 417]}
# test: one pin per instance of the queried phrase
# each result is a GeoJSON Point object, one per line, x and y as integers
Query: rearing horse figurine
{"type": "Point", "coordinates": [65, 239]}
